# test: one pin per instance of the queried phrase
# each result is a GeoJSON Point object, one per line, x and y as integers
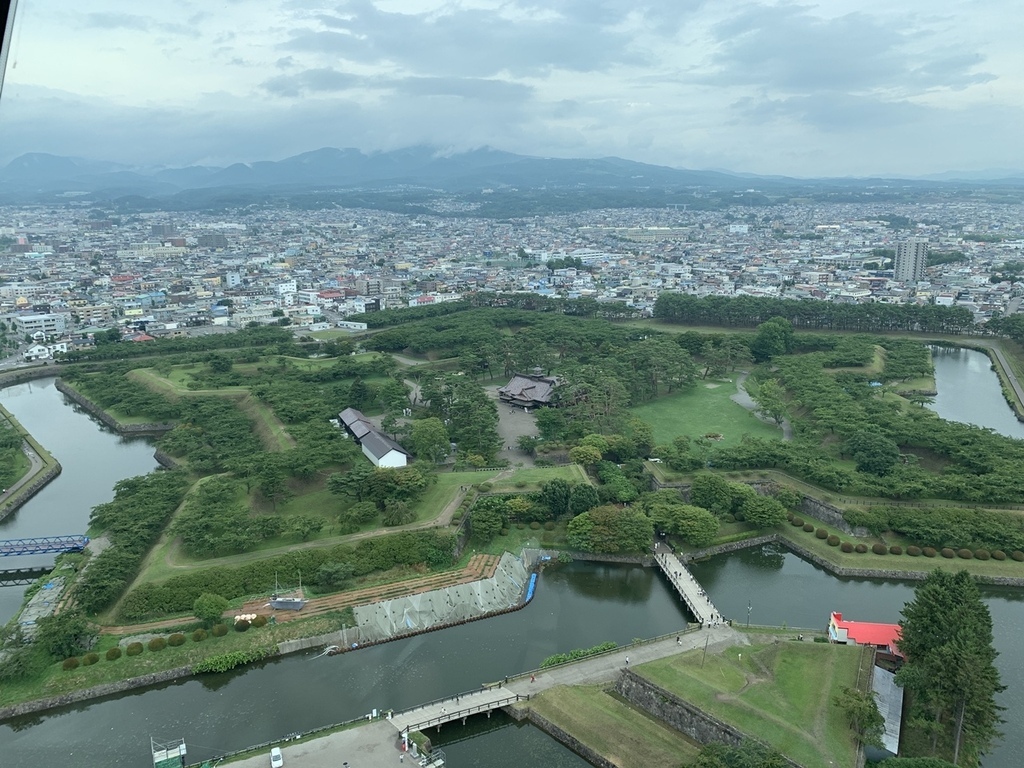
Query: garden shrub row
{"type": "Point", "coordinates": [938, 527]}
{"type": "Point", "coordinates": [179, 593]}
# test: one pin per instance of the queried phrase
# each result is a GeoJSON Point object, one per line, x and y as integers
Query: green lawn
{"type": "Point", "coordinates": [781, 693]}
{"type": "Point", "coordinates": [622, 734]}
{"type": "Point", "coordinates": [526, 480]}
{"type": "Point", "coordinates": [703, 410]}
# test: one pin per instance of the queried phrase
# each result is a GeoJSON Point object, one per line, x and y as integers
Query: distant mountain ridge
{"type": "Point", "coordinates": [419, 166]}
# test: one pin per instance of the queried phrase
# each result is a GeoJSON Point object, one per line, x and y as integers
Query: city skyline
{"type": "Point", "coordinates": [834, 89]}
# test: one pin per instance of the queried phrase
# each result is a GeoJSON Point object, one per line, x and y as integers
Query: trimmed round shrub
{"type": "Point", "coordinates": [520, 526]}
{"type": "Point", "coordinates": [965, 554]}
{"type": "Point", "coordinates": [133, 649]}
{"type": "Point", "coordinates": [242, 625]}
{"type": "Point", "coordinates": [534, 526]}
{"type": "Point", "coordinates": [485, 487]}
{"type": "Point", "coordinates": [947, 553]}
{"type": "Point", "coordinates": [981, 554]}
{"type": "Point", "coordinates": [199, 635]}
{"type": "Point", "coordinates": [1017, 555]}
{"type": "Point", "coordinates": [219, 630]}
{"type": "Point", "coordinates": [914, 551]}
{"type": "Point", "coordinates": [998, 554]}
{"type": "Point", "coordinates": [90, 658]}
{"type": "Point", "coordinates": [113, 654]}
{"type": "Point", "coordinates": [176, 639]}
{"type": "Point", "coordinates": [895, 549]}
{"type": "Point", "coordinates": [740, 517]}
{"type": "Point", "coordinates": [796, 522]}
{"type": "Point", "coordinates": [929, 552]}
{"type": "Point", "coordinates": [503, 532]}
{"type": "Point", "coordinates": [156, 644]}
{"type": "Point", "coordinates": [833, 540]}
{"type": "Point", "coordinates": [861, 549]}
{"type": "Point", "coordinates": [808, 528]}
{"type": "Point", "coordinates": [70, 663]}
{"type": "Point", "coordinates": [821, 533]}
{"type": "Point", "coordinates": [730, 518]}
{"type": "Point", "coordinates": [879, 549]}
{"type": "Point", "coordinates": [259, 621]}
{"type": "Point", "coordinates": [549, 526]}
{"type": "Point", "coordinates": [847, 547]}
{"type": "Point", "coordinates": [790, 515]}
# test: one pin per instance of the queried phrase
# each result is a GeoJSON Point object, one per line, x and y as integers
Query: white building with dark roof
{"type": "Point", "coordinates": [380, 449]}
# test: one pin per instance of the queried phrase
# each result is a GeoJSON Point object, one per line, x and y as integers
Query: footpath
{"type": "Point", "coordinates": [376, 744]}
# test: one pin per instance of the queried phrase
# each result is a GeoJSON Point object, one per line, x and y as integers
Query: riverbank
{"type": "Point", "coordinates": [42, 469]}
{"type": "Point", "coordinates": [104, 416]}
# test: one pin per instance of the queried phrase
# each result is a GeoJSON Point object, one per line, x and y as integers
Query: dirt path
{"type": "Point", "coordinates": [34, 465]}
{"type": "Point", "coordinates": [742, 397]}
{"type": "Point", "coordinates": [479, 567]}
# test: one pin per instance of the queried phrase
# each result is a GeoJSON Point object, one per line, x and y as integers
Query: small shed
{"type": "Point", "coordinates": [383, 451]}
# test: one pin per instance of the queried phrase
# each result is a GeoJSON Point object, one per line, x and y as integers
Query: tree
{"type": "Point", "coordinates": [351, 483]}
{"type": "Point", "coordinates": [748, 754]}
{"type": "Point", "coordinates": [874, 453]}
{"type": "Point", "coordinates": [209, 607]}
{"type": "Point", "coordinates": [584, 497]}
{"type": "Point", "coordinates": [774, 337]}
{"type": "Point", "coordinates": [397, 512]}
{"type": "Point", "coordinates": [771, 400]}
{"type": "Point", "coordinates": [610, 529]}
{"type": "Point", "coordinates": [950, 664]}
{"type": "Point", "coordinates": [64, 634]}
{"type": "Point", "coordinates": [861, 710]}
{"type": "Point", "coordinates": [555, 495]}
{"type": "Point", "coordinates": [585, 455]}
{"type": "Point", "coordinates": [334, 575]}
{"type": "Point", "coordinates": [305, 526]}
{"type": "Point", "coordinates": [712, 492]}
{"type": "Point", "coordinates": [486, 522]}
{"type": "Point", "coordinates": [429, 439]}
{"type": "Point", "coordinates": [763, 511]}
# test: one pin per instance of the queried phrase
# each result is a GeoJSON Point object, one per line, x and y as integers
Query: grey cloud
{"type": "Point", "coordinates": [463, 87]}
{"type": "Point", "coordinates": [312, 81]}
{"type": "Point", "coordinates": [477, 42]}
{"type": "Point", "coordinates": [833, 112]}
{"type": "Point", "coordinates": [785, 48]}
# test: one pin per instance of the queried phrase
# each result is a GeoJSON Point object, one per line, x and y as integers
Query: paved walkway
{"type": "Point", "coordinates": [742, 397]}
{"type": "Point", "coordinates": [687, 587]}
{"type": "Point", "coordinates": [376, 744]}
{"type": "Point", "coordinates": [35, 465]}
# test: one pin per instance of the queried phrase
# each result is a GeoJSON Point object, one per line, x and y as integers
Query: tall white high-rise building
{"type": "Point", "coordinates": [911, 259]}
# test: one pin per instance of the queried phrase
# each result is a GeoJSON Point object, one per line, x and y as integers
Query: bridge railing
{"type": "Point", "coordinates": [447, 717]}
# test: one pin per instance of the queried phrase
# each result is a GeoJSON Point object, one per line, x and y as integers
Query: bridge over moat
{"type": "Point", "coordinates": [42, 545]}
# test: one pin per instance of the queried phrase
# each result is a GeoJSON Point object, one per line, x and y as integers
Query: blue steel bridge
{"type": "Point", "coordinates": [42, 545]}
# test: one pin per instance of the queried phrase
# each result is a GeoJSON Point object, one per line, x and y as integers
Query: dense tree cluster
{"type": "Point", "coordinates": [250, 337]}
{"type": "Point", "coordinates": [950, 673]}
{"type": "Point", "coordinates": [940, 527]}
{"type": "Point", "coordinates": [749, 312]}
{"type": "Point", "coordinates": [132, 521]}
{"type": "Point", "coordinates": [10, 447]}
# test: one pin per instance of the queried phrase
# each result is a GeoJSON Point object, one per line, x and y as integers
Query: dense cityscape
{"type": "Point", "coordinates": [68, 273]}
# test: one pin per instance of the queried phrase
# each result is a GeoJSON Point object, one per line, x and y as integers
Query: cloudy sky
{"type": "Point", "coordinates": [837, 87]}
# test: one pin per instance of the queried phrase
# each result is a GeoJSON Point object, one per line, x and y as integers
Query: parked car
{"type": "Point", "coordinates": [276, 758]}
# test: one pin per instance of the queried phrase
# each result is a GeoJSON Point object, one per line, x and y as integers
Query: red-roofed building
{"type": "Point", "coordinates": [880, 636]}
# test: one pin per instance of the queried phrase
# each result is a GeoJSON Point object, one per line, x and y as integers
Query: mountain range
{"type": "Point", "coordinates": [413, 167]}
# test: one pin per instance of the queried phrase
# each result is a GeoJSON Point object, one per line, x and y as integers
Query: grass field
{"type": "Point", "coordinates": [622, 734]}
{"type": "Point", "coordinates": [701, 411]}
{"type": "Point", "coordinates": [781, 693]}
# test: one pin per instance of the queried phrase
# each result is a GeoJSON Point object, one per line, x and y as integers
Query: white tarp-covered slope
{"type": "Point", "coordinates": [441, 606]}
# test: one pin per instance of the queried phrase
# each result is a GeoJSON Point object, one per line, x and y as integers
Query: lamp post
{"type": "Point", "coordinates": [749, 609]}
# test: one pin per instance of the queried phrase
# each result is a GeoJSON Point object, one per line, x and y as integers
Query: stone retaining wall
{"type": "Point", "coordinates": [566, 738]}
{"type": "Point", "coordinates": [165, 459]}
{"type": "Point", "coordinates": [26, 492]}
{"type": "Point", "coordinates": [90, 407]}
{"type": "Point", "coordinates": [684, 717]}
{"type": "Point", "coordinates": [21, 375]}
{"type": "Point", "coordinates": [107, 689]}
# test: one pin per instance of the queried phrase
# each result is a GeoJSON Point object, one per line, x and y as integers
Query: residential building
{"type": "Point", "coordinates": [911, 259]}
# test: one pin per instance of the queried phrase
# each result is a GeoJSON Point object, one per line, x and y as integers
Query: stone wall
{"type": "Point", "coordinates": [95, 692]}
{"type": "Point", "coordinates": [678, 714]}
{"type": "Point", "coordinates": [26, 492]}
{"type": "Point", "coordinates": [90, 407]}
{"type": "Point", "coordinates": [21, 375]}
{"type": "Point", "coordinates": [566, 738]}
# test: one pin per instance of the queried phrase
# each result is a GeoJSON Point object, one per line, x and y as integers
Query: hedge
{"type": "Point", "coordinates": [259, 621]}
{"type": "Point", "coordinates": [965, 553]}
{"type": "Point", "coordinates": [981, 554]}
{"type": "Point", "coordinates": [226, 661]}
{"type": "Point", "coordinates": [832, 541]}
{"type": "Point", "coordinates": [176, 639]}
{"type": "Point", "coordinates": [846, 547]}
{"type": "Point", "coordinates": [242, 625]}
{"type": "Point", "coordinates": [219, 630]}
{"type": "Point", "coordinates": [821, 533]}
{"type": "Point", "coordinates": [157, 644]}
{"type": "Point", "coordinates": [90, 658]}
{"type": "Point", "coordinates": [199, 635]}
{"type": "Point", "coordinates": [70, 663]}
{"type": "Point", "coordinates": [1017, 555]}
{"type": "Point", "coordinates": [998, 554]}
{"type": "Point", "coordinates": [796, 522]}
{"type": "Point", "coordinates": [947, 553]}
{"type": "Point", "coordinates": [879, 549]}
{"type": "Point", "coordinates": [914, 551]}
{"type": "Point", "coordinates": [861, 548]}
{"type": "Point", "coordinates": [133, 649]}
{"type": "Point", "coordinates": [929, 552]}
{"type": "Point", "coordinates": [895, 549]}
{"type": "Point", "coordinates": [113, 654]}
